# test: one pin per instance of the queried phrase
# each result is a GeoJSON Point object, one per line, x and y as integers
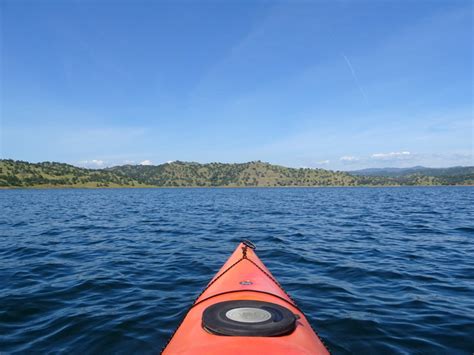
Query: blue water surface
{"type": "Point", "coordinates": [376, 270]}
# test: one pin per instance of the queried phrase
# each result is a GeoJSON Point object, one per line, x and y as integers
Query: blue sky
{"type": "Point", "coordinates": [329, 84]}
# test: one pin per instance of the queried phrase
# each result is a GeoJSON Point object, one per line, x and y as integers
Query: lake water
{"type": "Point", "coordinates": [376, 270]}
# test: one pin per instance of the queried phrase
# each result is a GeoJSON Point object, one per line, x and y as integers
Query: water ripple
{"type": "Point", "coordinates": [375, 270]}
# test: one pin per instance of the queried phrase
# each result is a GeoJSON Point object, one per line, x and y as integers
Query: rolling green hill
{"type": "Point", "coordinates": [184, 174]}
{"type": "Point", "coordinates": [49, 174]}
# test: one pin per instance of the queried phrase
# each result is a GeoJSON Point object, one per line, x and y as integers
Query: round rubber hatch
{"type": "Point", "coordinates": [248, 318]}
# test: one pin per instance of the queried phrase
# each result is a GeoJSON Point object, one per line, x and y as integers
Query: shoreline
{"type": "Point", "coordinates": [68, 187]}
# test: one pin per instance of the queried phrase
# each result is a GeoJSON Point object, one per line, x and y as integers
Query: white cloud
{"type": "Point", "coordinates": [348, 158]}
{"type": "Point", "coordinates": [93, 162]}
{"type": "Point", "coordinates": [322, 162]}
{"type": "Point", "coordinates": [146, 162]}
{"type": "Point", "coordinates": [390, 155]}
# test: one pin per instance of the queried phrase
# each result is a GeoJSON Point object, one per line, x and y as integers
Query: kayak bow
{"type": "Point", "coordinates": [244, 310]}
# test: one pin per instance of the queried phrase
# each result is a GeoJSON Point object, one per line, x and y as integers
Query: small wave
{"type": "Point", "coordinates": [465, 229]}
{"type": "Point", "coordinates": [380, 270]}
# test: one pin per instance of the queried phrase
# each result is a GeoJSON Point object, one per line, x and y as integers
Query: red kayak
{"type": "Point", "coordinates": [244, 310]}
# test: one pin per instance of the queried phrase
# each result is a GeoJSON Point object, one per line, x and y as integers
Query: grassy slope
{"type": "Point", "coordinates": [233, 175]}
{"type": "Point", "coordinates": [47, 174]}
{"type": "Point", "coordinates": [180, 174]}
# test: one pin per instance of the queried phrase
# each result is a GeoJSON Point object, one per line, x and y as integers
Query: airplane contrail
{"type": "Point", "coordinates": [355, 78]}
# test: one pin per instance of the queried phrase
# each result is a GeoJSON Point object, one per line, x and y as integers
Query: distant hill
{"type": "Point", "coordinates": [454, 171]}
{"type": "Point", "coordinates": [188, 174]}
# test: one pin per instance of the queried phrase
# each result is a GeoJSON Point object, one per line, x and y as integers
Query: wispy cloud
{"type": "Point", "coordinates": [348, 158]}
{"type": "Point", "coordinates": [146, 162]}
{"type": "Point", "coordinates": [390, 155]}
{"type": "Point", "coordinates": [356, 80]}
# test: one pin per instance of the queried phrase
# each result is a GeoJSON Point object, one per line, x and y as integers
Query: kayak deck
{"type": "Point", "coordinates": [244, 278]}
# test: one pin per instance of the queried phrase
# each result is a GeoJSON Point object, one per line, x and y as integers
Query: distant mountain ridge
{"type": "Point", "coordinates": [15, 173]}
{"type": "Point", "coordinates": [451, 171]}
